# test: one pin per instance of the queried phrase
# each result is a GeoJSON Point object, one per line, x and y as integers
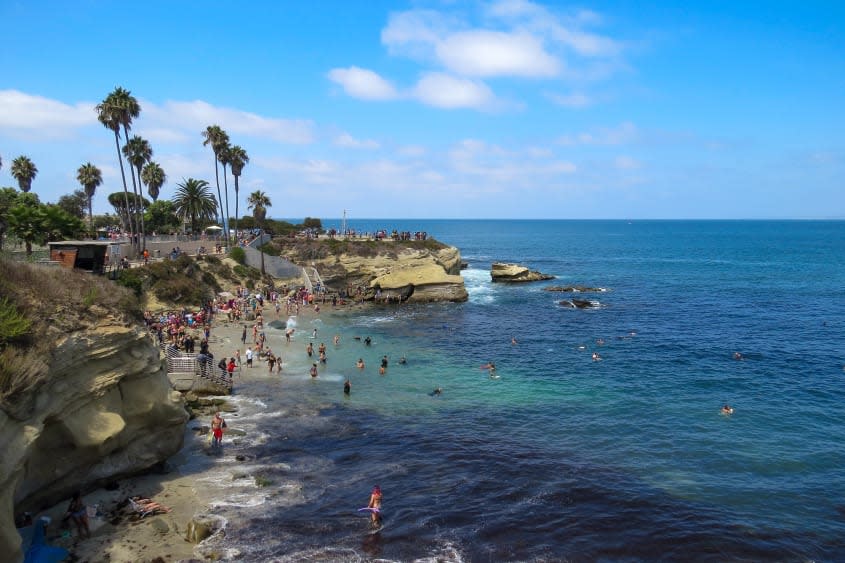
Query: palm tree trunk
{"type": "Point", "coordinates": [236, 211]}
{"type": "Point", "coordinates": [261, 250]}
{"type": "Point", "coordinates": [219, 198]}
{"type": "Point", "coordinates": [143, 227]}
{"type": "Point", "coordinates": [135, 245]}
{"type": "Point", "coordinates": [226, 192]}
{"type": "Point", "coordinates": [91, 219]}
{"type": "Point", "coordinates": [125, 189]}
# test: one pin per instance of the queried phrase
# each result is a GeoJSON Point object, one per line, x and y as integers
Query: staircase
{"type": "Point", "coordinates": [187, 373]}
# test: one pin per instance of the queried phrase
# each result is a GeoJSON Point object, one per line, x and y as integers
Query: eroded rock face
{"type": "Point", "coordinates": [433, 274]}
{"type": "Point", "coordinates": [106, 410]}
{"type": "Point", "coordinates": [503, 272]}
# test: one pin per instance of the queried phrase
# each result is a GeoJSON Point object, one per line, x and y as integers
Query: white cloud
{"type": "Point", "coordinates": [49, 118]}
{"type": "Point", "coordinates": [348, 141]}
{"type": "Point", "coordinates": [195, 116]}
{"type": "Point", "coordinates": [412, 150]}
{"type": "Point", "coordinates": [624, 133]}
{"type": "Point", "coordinates": [362, 83]}
{"type": "Point", "coordinates": [495, 53]}
{"type": "Point", "coordinates": [448, 92]}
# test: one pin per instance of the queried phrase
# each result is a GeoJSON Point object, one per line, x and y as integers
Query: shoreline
{"type": "Point", "coordinates": [121, 536]}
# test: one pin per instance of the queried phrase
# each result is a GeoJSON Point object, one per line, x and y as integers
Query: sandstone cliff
{"type": "Point", "coordinates": [105, 410]}
{"type": "Point", "coordinates": [416, 271]}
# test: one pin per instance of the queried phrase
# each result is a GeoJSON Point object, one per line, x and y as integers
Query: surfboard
{"type": "Point", "coordinates": [369, 510]}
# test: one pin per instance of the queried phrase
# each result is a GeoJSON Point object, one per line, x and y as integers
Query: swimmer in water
{"type": "Point", "coordinates": [596, 357]}
{"type": "Point", "coordinates": [347, 386]}
{"type": "Point", "coordinates": [437, 392]}
{"type": "Point", "coordinates": [727, 410]}
{"type": "Point", "coordinates": [313, 370]}
{"type": "Point", "coordinates": [360, 363]}
{"type": "Point", "coordinates": [513, 340]}
{"type": "Point", "coordinates": [737, 356]}
{"type": "Point", "coordinates": [403, 360]}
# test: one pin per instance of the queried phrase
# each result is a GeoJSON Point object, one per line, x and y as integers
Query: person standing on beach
{"type": "Point", "coordinates": [249, 357]}
{"type": "Point", "coordinates": [243, 336]}
{"type": "Point", "coordinates": [78, 512]}
{"type": "Point", "coordinates": [217, 426]}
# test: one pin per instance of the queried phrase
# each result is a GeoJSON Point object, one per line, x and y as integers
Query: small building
{"type": "Point", "coordinates": [93, 255]}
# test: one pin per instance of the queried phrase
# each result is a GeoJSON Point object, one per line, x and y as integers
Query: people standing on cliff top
{"type": "Point", "coordinates": [217, 426]}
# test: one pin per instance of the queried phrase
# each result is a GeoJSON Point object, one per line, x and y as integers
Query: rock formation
{"type": "Point", "coordinates": [396, 272]}
{"type": "Point", "coordinates": [106, 410]}
{"type": "Point", "coordinates": [502, 272]}
{"type": "Point", "coordinates": [575, 289]}
{"type": "Point", "coordinates": [579, 304]}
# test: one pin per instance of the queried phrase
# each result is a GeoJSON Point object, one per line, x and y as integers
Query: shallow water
{"type": "Point", "coordinates": [563, 457]}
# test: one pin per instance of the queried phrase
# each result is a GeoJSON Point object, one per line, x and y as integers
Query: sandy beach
{"type": "Point", "coordinates": [118, 534]}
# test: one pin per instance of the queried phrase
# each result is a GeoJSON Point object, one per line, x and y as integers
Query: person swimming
{"type": "Point", "coordinates": [347, 386]}
{"type": "Point", "coordinates": [313, 370]}
{"type": "Point", "coordinates": [360, 363]}
{"type": "Point", "coordinates": [727, 410]}
{"type": "Point", "coordinates": [737, 356]}
{"type": "Point", "coordinates": [437, 392]}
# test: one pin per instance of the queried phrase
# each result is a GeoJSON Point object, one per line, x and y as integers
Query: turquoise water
{"type": "Point", "coordinates": [564, 457]}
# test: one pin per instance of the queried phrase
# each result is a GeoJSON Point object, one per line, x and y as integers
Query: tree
{"type": "Point", "coordinates": [259, 202]}
{"type": "Point", "coordinates": [223, 157]}
{"type": "Point", "coordinates": [24, 171]}
{"type": "Point", "coordinates": [160, 217]}
{"type": "Point", "coordinates": [35, 223]}
{"type": "Point", "coordinates": [90, 177]}
{"type": "Point", "coordinates": [110, 114]}
{"type": "Point", "coordinates": [216, 137]}
{"type": "Point", "coordinates": [138, 152]}
{"type": "Point", "coordinates": [8, 198]}
{"type": "Point", "coordinates": [57, 224]}
{"type": "Point", "coordinates": [118, 202]}
{"type": "Point", "coordinates": [194, 201]}
{"type": "Point", "coordinates": [74, 204]}
{"type": "Point", "coordinates": [154, 177]}
{"type": "Point", "coordinates": [237, 160]}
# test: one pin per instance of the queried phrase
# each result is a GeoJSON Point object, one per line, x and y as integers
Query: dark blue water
{"type": "Point", "coordinates": [563, 457]}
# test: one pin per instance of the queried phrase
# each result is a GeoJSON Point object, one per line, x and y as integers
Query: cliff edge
{"type": "Point", "coordinates": [93, 406]}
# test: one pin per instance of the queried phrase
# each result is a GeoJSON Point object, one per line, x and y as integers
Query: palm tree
{"type": "Point", "coordinates": [90, 177]}
{"type": "Point", "coordinates": [237, 160]}
{"type": "Point", "coordinates": [154, 177]}
{"type": "Point", "coordinates": [224, 156]}
{"type": "Point", "coordinates": [109, 113]}
{"type": "Point", "coordinates": [195, 201]}
{"type": "Point", "coordinates": [217, 138]}
{"type": "Point", "coordinates": [138, 152]}
{"type": "Point", "coordinates": [128, 109]}
{"type": "Point", "coordinates": [24, 171]}
{"type": "Point", "coordinates": [258, 201]}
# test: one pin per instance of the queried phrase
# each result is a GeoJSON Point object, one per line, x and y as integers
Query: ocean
{"type": "Point", "coordinates": [562, 457]}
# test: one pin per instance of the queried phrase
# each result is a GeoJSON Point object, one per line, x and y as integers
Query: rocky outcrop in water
{"type": "Point", "coordinates": [393, 272]}
{"type": "Point", "coordinates": [105, 411]}
{"type": "Point", "coordinates": [579, 304]}
{"type": "Point", "coordinates": [512, 273]}
{"type": "Point", "coordinates": [575, 289]}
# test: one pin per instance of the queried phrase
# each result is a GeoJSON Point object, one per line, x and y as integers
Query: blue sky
{"type": "Point", "coordinates": [446, 109]}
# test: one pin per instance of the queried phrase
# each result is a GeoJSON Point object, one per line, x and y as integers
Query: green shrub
{"type": "Point", "coordinates": [238, 254]}
{"type": "Point", "coordinates": [13, 325]}
{"type": "Point", "coordinates": [270, 249]}
{"type": "Point", "coordinates": [131, 279]}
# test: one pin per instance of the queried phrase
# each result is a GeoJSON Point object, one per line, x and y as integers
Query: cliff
{"type": "Point", "coordinates": [105, 409]}
{"type": "Point", "coordinates": [413, 271]}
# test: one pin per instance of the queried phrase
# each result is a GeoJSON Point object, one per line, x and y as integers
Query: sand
{"type": "Point", "coordinates": [117, 534]}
